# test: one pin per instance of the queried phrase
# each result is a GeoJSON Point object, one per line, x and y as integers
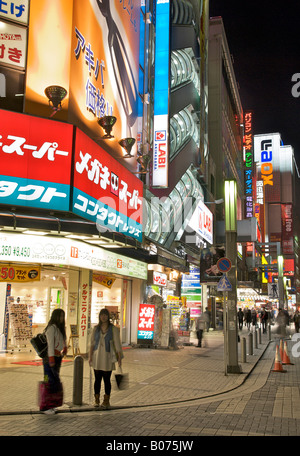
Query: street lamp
{"type": "Point", "coordinates": [280, 261]}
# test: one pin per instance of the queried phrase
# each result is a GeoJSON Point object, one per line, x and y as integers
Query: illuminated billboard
{"type": "Point", "coordinates": [104, 191]}
{"type": "Point", "coordinates": [94, 56]}
{"type": "Point", "coordinates": [161, 96]}
{"type": "Point", "coordinates": [35, 156]}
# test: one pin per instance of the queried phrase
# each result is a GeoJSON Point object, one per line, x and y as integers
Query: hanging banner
{"type": "Point", "coordinates": [13, 273]}
{"type": "Point", "coordinates": [104, 280]}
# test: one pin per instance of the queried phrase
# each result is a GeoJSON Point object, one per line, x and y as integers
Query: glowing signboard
{"type": "Point", "coordinates": [104, 191]}
{"type": "Point", "coordinates": [35, 156]}
{"type": "Point", "coordinates": [146, 322]}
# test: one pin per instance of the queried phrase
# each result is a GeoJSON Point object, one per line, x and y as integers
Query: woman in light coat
{"type": "Point", "coordinates": [105, 350]}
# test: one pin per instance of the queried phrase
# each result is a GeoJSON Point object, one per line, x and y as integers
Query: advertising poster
{"type": "Point", "coordinates": [20, 274]}
{"type": "Point", "coordinates": [49, 53]}
{"type": "Point", "coordinates": [105, 68]}
{"type": "Point", "coordinates": [209, 272]}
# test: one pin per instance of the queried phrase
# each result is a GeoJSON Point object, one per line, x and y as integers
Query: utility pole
{"type": "Point", "coordinates": [230, 305]}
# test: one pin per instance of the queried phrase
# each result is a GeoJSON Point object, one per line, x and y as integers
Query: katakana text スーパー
{"type": "Point", "coordinates": [18, 146]}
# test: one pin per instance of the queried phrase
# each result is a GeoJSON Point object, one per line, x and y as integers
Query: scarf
{"type": "Point", "coordinates": [107, 338]}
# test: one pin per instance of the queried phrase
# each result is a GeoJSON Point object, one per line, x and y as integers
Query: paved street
{"type": "Point", "coordinates": [196, 398]}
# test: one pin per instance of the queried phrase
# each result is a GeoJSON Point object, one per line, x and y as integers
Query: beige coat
{"type": "Point", "coordinates": [101, 359]}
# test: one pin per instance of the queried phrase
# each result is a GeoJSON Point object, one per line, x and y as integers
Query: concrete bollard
{"type": "Point", "coordinates": [243, 350]}
{"type": "Point", "coordinates": [78, 380]}
{"type": "Point", "coordinates": [255, 338]}
{"type": "Point", "coordinates": [259, 335]}
{"type": "Point", "coordinates": [250, 344]}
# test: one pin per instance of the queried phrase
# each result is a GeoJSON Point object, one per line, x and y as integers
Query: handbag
{"type": "Point", "coordinates": [48, 399]}
{"type": "Point", "coordinates": [39, 343]}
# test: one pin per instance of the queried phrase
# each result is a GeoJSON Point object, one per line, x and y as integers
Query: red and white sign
{"type": "Point", "coordinates": [146, 317]}
{"type": "Point", "coordinates": [159, 279]}
{"type": "Point", "coordinates": [105, 191]}
{"type": "Point", "coordinates": [202, 222]}
{"type": "Point", "coordinates": [35, 157]}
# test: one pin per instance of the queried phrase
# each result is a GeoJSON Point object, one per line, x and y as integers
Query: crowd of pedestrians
{"type": "Point", "coordinates": [280, 318]}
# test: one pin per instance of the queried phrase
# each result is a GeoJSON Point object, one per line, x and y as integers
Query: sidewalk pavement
{"type": "Point", "coordinates": [156, 377]}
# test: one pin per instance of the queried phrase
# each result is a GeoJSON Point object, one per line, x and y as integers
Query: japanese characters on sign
{"type": "Point", "coordinates": [248, 147]}
{"type": "Point", "coordinates": [105, 191]}
{"type": "Point", "coordinates": [12, 273]}
{"type": "Point", "coordinates": [59, 250]}
{"type": "Point", "coordinates": [94, 100]}
{"type": "Point", "coordinates": [146, 322]}
{"type": "Point", "coordinates": [159, 279]}
{"type": "Point", "coordinates": [13, 43]}
{"type": "Point", "coordinates": [35, 161]}
{"type": "Point", "coordinates": [15, 10]}
{"type": "Point", "coordinates": [287, 229]}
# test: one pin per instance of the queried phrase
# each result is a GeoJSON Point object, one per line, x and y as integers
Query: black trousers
{"type": "Point", "coordinates": [99, 374]}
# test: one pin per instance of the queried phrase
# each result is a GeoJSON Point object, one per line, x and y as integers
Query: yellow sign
{"type": "Point", "coordinates": [104, 280]}
{"type": "Point", "coordinates": [10, 273]}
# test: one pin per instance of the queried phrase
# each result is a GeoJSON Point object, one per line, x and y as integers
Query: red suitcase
{"type": "Point", "coordinates": [47, 399]}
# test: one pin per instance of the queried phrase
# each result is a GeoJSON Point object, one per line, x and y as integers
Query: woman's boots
{"type": "Point", "coordinates": [105, 404]}
{"type": "Point", "coordinates": [97, 400]}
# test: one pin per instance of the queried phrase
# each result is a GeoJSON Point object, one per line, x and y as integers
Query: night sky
{"type": "Point", "coordinates": [264, 40]}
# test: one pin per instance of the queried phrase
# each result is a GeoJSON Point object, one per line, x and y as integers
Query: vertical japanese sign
{"type": "Point", "coordinates": [248, 147]}
{"type": "Point", "coordinates": [84, 324]}
{"type": "Point", "coordinates": [146, 322]}
{"type": "Point", "coordinates": [161, 95]}
{"type": "Point", "coordinates": [13, 44]}
{"type": "Point", "coordinates": [104, 191]}
{"type": "Point", "coordinates": [35, 157]}
{"type": "Point", "coordinates": [287, 229]}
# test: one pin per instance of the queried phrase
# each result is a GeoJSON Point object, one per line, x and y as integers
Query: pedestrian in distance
{"type": "Point", "coordinates": [264, 319]}
{"type": "Point", "coordinates": [296, 319]}
{"type": "Point", "coordinates": [57, 348]}
{"type": "Point", "coordinates": [200, 327]}
{"type": "Point", "coordinates": [207, 317]}
{"type": "Point", "coordinates": [254, 317]}
{"type": "Point", "coordinates": [248, 318]}
{"type": "Point", "coordinates": [240, 318]}
{"type": "Point", "coordinates": [105, 351]}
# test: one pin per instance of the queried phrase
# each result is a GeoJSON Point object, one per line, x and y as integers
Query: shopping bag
{"type": "Point", "coordinates": [39, 343]}
{"type": "Point", "coordinates": [122, 380]}
{"type": "Point", "coordinates": [47, 398]}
